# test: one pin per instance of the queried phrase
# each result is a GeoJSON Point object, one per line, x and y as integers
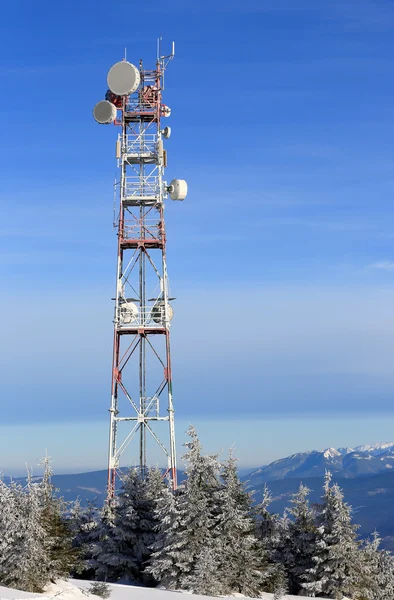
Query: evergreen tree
{"type": "Point", "coordinates": [198, 507]}
{"type": "Point", "coordinates": [163, 564]}
{"type": "Point", "coordinates": [299, 542]}
{"type": "Point", "coordinates": [267, 524]}
{"type": "Point", "coordinates": [62, 555]}
{"type": "Point", "coordinates": [186, 520]}
{"type": "Point", "coordinates": [26, 566]}
{"type": "Point", "coordinates": [236, 558]}
{"type": "Point", "coordinates": [128, 530]}
{"type": "Point", "coordinates": [105, 546]}
{"type": "Point", "coordinates": [374, 577]}
{"type": "Point", "coordinates": [9, 530]}
{"type": "Point", "coordinates": [337, 549]}
{"type": "Point", "coordinates": [84, 525]}
{"type": "Point", "coordinates": [271, 531]}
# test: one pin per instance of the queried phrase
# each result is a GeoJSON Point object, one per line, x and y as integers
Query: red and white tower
{"type": "Point", "coordinates": [141, 393]}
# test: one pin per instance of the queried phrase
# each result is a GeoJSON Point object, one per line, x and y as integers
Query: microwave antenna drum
{"type": "Point", "coordinates": [158, 312]}
{"type": "Point", "coordinates": [123, 78]}
{"type": "Point", "coordinates": [177, 189]}
{"type": "Point", "coordinates": [128, 312]}
{"type": "Point", "coordinates": [166, 132]}
{"type": "Point", "coordinates": [104, 112]}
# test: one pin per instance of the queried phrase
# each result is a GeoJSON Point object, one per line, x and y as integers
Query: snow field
{"type": "Point", "coordinates": [77, 590]}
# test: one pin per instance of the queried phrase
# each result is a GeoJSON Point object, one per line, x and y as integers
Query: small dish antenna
{"type": "Point", "coordinates": [158, 312]}
{"type": "Point", "coordinates": [165, 110]}
{"type": "Point", "coordinates": [123, 78]}
{"type": "Point", "coordinates": [166, 133]}
{"type": "Point", "coordinates": [104, 112]}
{"type": "Point", "coordinates": [177, 189]}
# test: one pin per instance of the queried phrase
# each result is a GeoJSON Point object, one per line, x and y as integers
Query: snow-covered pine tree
{"type": "Point", "coordinates": [234, 557]}
{"type": "Point", "coordinates": [163, 562]}
{"type": "Point", "coordinates": [207, 578]}
{"type": "Point", "coordinates": [374, 578]}
{"type": "Point", "coordinates": [61, 552]}
{"type": "Point", "coordinates": [9, 530]}
{"type": "Point", "coordinates": [267, 523]}
{"type": "Point", "coordinates": [105, 547]}
{"type": "Point", "coordinates": [156, 489]}
{"type": "Point", "coordinates": [337, 549]}
{"type": "Point", "coordinates": [197, 508]}
{"type": "Point", "coordinates": [126, 540]}
{"type": "Point", "coordinates": [384, 576]}
{"type": "Point", "coordinates": [27, 564]}
{"type": "Point", "coordinates": [299, 544]}
{"type": "Point", "coordinates": [84, 524]}
{"type": "Point", "coordinates": [271, 531]}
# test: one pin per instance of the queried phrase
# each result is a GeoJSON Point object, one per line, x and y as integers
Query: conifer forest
{"type": "Point", "coordinates": [209, 537]}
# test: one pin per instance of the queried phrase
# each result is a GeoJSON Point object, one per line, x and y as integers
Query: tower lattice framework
{"type": "Point", "coordinates": [141, 391]}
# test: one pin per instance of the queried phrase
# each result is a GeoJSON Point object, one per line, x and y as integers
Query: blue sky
{"type": "Point", "coordinates": [281, 258]}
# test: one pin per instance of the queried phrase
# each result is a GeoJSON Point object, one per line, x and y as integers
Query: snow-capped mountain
{"type": "Point", "coordinates": [376, 449]}
{"type": "Point", "coordinates": [343, 462]}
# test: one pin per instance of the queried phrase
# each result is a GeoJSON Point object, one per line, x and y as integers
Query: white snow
{"type": "Point", "coordinates": [77, 590]}
{"type": "Point", "coordinates": [331, 453]}
{"type": "Point", "coordinates": [375, 449]}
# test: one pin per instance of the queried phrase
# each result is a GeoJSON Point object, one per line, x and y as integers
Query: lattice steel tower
{"type": "Point", "coordinates": [141, 370]}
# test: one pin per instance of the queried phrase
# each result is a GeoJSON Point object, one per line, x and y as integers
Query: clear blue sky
{"type": "Point", "coordinates": [281, 258]}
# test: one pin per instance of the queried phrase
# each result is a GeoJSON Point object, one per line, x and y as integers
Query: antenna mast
{"type": "Point", "coordinates": [141, 370]}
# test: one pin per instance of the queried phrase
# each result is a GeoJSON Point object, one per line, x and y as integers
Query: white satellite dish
{"type": "Point", "coordinates": [158, 312]}
{"type": "Point", "coordinates": [128, 312]}
{"type": "Point", "coordinates": [166, 133]}
{"type": "Point", "coordinates": [177, 189]}
{"type": "Point", "coordinates": [104, 112]}
{"type": "Point", "coordinates": [123, 78]}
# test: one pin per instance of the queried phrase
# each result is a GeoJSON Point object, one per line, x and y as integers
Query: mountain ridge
{"type": "Point", "coordinates": [368, 459]}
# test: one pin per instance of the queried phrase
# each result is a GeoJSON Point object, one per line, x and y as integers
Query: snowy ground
{"type": "Point", "coordinates": [76, 590]}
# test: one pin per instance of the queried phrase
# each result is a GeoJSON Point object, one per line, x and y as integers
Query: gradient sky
{"type": "Point", "coordinates": [281, 258]}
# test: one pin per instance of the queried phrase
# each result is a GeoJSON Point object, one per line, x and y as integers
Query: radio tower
{"type": "Point", "coordinates": [141, 392]}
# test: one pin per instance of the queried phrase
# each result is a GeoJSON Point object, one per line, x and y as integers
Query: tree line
{"type": "Point", "coordinates": [209, 537]}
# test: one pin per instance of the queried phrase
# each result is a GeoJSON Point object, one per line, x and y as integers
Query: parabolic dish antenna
{"type": "Point", "coordinates": [166, 132]}
{"type": "Point", "coordinates": [123, 78]}
{"type": "Point", "coordinates": [158, 312]}
{"type": "Point", "coordinates": [104, 112]}
{"type": "Point", "coordinates": [178, 189]}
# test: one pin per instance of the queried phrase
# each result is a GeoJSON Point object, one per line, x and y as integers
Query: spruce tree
{"type": "Point", "coordinates": [271, 531]}
{"type": "Point", "coordinates": [191, 515]}
{"type": "Point", "coordinates": [337, 549]}
{"type": "Point", "coordinates": [164, 562]}
{"type": "Point", "coordinates": [27, 565]}
{"type": "Point", "coordinates": [237, 559]}
{"type": "Point", "coordinates": [128, 530]}
{"type": "Point", "coordinates": [9, 530]}
{"type": "Point", "coordinates": [374, 575]}
{"type": "Point", "coordinates": [198, 507]}
{"type": "Point", "coordinates": [299, 543]}
{"type": "Point", "coordinates": [84, 525]}
{"type": "Point", "coordinates": [267, 523]}
{"type": "Point", "coordinates": [62, 555]}
{"type": "Point", "coordinates": [105, 547]}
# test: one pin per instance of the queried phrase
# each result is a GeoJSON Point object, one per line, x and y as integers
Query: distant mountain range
{"type": "Point", "coordinates": [344, 463]}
